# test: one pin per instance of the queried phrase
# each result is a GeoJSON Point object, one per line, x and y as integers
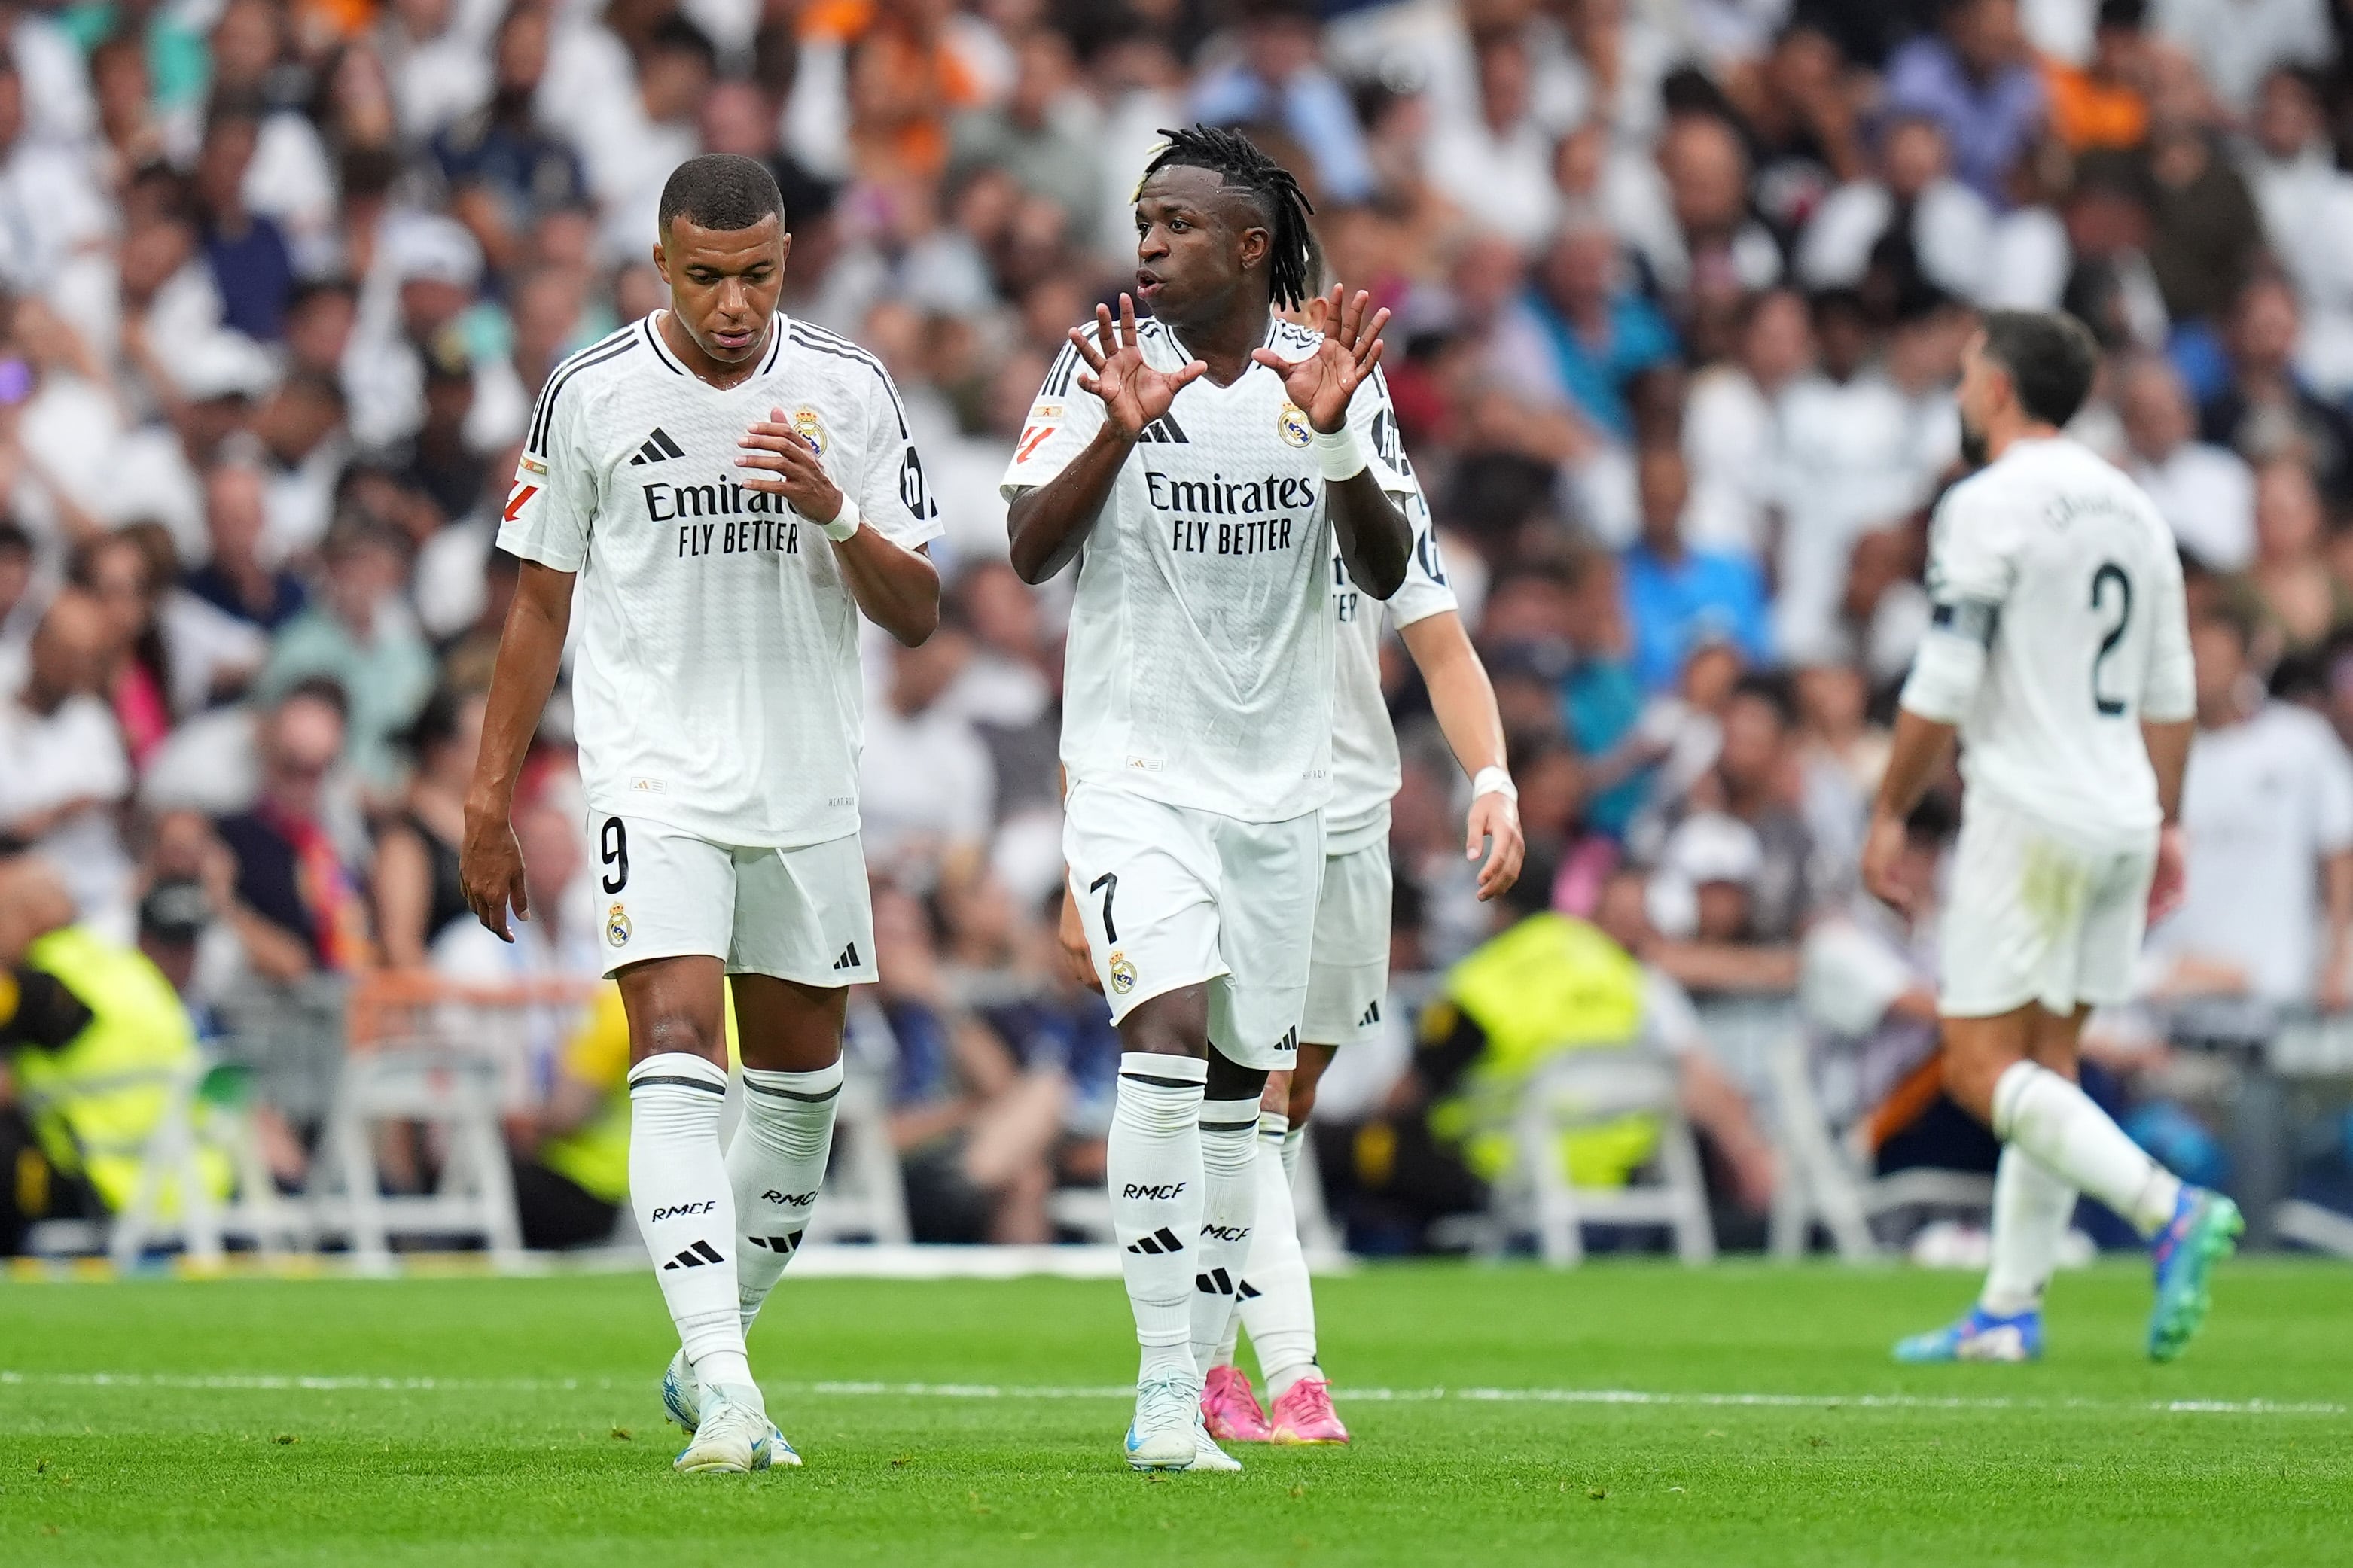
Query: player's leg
{"type": "Point", "coordinates": [1144, 875]}
{"type": "Point", "coordinates": [679, 1191]}
{"type": "Point", "coordinates": [2032, 1203]}
{"type": "Point", "coordinates": [804, 934]}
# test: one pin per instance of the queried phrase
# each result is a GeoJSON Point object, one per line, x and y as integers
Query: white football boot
{"type": "Point", "coordinates": [1167, 1434]}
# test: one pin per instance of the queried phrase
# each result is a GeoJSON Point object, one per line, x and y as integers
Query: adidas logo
{"type": "Point", "coordinates": [695, 1257]}
{"type": "Point", "coordinates": [1372, 1015]}
{"type": "Point", "coordinates": [1290, 1041]}
{"type": "Point", "coordinates": [1166, 429]}
{"type": "Point", "coordinates": [1159, 1241]}
{"type": "Point", "coordinates": [1248, 1292]}
{"type": "Point", "coordinates": [1216, 1282]}
{"type": "Point", "coordinates": [849, 959]}
{"type": "Point", "coordinates": [657, 448]}
{"type": "Point", "coordinates": [783, 1244]}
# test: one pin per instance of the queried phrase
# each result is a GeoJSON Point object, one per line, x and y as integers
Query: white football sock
{"type": "Point", "coordinates": [685, 1210]}
{"type": "Point", "coordinates": [1229, 1206]}
{"type": "Point", "coordinates": [1271, 1126]}
{"type": "Point", "coordinates": [1278, 1304]}
{"type": "Point", "coordinates": [1292, 1137]}
{"type": "Point", "coordinates": [2031, 1210]}
{"type": "Point", "coordinates": [2057, 1123]}
{"type": "Point", "coordinates": [776, 1166]}
{"type": "Point", "coordinates": [1152, 1164]}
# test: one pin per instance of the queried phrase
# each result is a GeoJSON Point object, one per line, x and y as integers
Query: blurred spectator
{"type": "Point", "coordinates": [251, 264]}
{"type": "Point", "coordinates": [1041, 135]}
{"type": "Point", "coordinates": [1676, 595]}
{"type": "Point", "coordinates": [1976, 80]}
{"type": "Point", "coordinates": [2297, 602]}
{"type": "Point", "coordinates": [2112, 287]}
{"type": "Point", "coordinates": [18, 609]}
{"type": "Point", "coordinates": [233, 579]}
{"type": "Point", "coordinates": [562, 940]}
{"type": "Point", "coordinates": [571, 1164]}
{"type": "Point", "coordinates": [1913, 224]}
{"type": "Point", "coordinates": [298, 907]}
{"type": "Point", "coordinates": [926, 789]}
{"type": "Point", "coordinates": [418, 895]}
{"type": "Point", "coordinates": [1278, 80]}
{"type": "Point", "coordinates": [2306, 203]}
{"type": "Point", "coordinates": [2267, 804]}
{"type": "Point", "coordinates": [360, 636]}
{"type": "Point", "coordinates": [1497, 164]}
{"type": "Point", "coordinates": [974, 1129]}
{"type": "Point", "coordinates": [2208, 231]}
{"type": "Point", "coordinates": [66, 775]}
{"type": "Point", "coordinates": [2265, 410]}
{"type": "Point", "coordinates": [2205, 492]}
{"type": "Point", "coordinates": [2234, 42]}
{"type": "Point", "coordinates": [1588, 335]}
{"type": "Point", "coordinates": [1855, 455]}
{"type": "Point", "coordinates": [2101, 102]}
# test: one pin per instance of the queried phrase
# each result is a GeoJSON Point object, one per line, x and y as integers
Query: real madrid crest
{"type": "Point", "coordinates": [1293, 424]}
{"type": "Point", "coordinates": [617, 926]}
{"type": "Point", "coordinates": [1122, 973]}
{"type": "Point", "coordinates": [807, 426]}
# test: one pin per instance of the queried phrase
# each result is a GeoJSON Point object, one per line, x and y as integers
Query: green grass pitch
{"type": "Point", "coordinates": [463, 1421]}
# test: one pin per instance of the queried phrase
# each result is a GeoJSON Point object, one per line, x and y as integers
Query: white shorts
{"type": "Point", "coordinates": [799, 914]}
{"type": "Point", "coordinates": [2032, 917]}
{"type": "Point", "coordinates": [1348, 966]}
{"type": "Point", "coordinates": [1172, 898]}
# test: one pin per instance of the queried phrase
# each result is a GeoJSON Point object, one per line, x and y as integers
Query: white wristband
{"type": "Point", "coordinates": [1495, 781]}
{"type": "Point", "coordinates": [845, 523]}
{"type": "Point", "coordinates": [1339, 454]}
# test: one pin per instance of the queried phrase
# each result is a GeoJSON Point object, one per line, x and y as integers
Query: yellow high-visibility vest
{"type": "Point", "coordinates": [95, 1100]}
{"type": "Point", "coordinates": [1550, 984]}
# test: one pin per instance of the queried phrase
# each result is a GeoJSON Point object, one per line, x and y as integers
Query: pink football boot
{"type": "Point", "coordinates": [1230, 1410]}
{"type": "Point", "coordinates": [1304, 1415]}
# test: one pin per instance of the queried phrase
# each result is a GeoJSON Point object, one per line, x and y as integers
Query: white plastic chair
{"type": "Point", "coordinates": [454, 1094]}
{"type": "Point", "coordinates": [1582, 1088]}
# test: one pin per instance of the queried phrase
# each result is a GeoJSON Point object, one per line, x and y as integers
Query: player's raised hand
{"type": "Point", "coordinates": [1495, 821]}
{"type": "Point", "coordinates": [1134, 391]}
{"type": "Point", "coordinates": [1322, 383]}
{"type": "Point", "coordinates": [783, 463]}
{"type": "Point", "coordinates": [489, 865]}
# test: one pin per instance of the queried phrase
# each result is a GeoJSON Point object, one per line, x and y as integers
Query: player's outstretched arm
{"type": "Point", "coordinates": [1368, 526]}
{"type": "Point", "coordinates": [1045, 526]}
{"type": "Point", "coordinates": [531, 648]}
{"type": "Point", "coordinates": [1464, 701]}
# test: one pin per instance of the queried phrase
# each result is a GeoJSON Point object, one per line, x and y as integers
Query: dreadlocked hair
{"type": "Point", "coordinates": [1292, 257]}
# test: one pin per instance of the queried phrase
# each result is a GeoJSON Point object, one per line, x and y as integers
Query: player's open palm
{"type": "Point", "coordinates": [1324, 381]}
{"type": "Point", "coordinates": [1134, 392]}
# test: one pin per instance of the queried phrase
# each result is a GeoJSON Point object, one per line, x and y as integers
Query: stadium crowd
{"type": "Point", "coordinates": [1680, 290]}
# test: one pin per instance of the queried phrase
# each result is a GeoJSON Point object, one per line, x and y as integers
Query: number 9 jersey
{"type": "Point", "coordinates": [2059, 626]}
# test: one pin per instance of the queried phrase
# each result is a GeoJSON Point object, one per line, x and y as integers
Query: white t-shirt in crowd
{"type": "Point", "coordinates": [1198, 665]}
{"type": "Point", "coordinates": [2263, 802]}
{"type": "Point", "coordinates": [925, 785]}
{"type": "Point", "coordinates": [717, 685]}
{"type": "Point", "coordinates": [49, 759]}
{"type": "Point", "coordinates": [2207, 496]}
{"type": "Point", "coordinates": [2061, 568]}
{"type": "Point", "coordinates": [1365, 767]}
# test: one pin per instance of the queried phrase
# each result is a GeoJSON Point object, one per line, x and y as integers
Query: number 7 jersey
{"type": "Point", "coordinates": [2063, 569]}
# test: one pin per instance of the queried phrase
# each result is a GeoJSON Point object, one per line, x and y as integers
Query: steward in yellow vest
{"type": "Point", "coordinates": [95, 1040]}
{"type": "Point", "coordinates": [1546, 984]}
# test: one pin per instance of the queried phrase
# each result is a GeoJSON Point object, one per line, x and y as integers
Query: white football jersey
{"type": "Point", "coordinates": [717, 685]}
{"type": "Point", "coordinates": [1198, 665]}
{"type": "Point", "coordinates": [1365, 774]}
{"type": "Point", "coordinates": [2062, 568]}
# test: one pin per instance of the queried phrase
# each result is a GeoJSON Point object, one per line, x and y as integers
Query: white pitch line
{"type": "Point", "coordinates": [1619, 1396]}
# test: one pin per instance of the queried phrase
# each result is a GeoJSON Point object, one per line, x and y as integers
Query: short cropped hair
{"type": "Point", "coordinates": [2051, 359]}
{"type": "Point", "coordinates": [722, 190]}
